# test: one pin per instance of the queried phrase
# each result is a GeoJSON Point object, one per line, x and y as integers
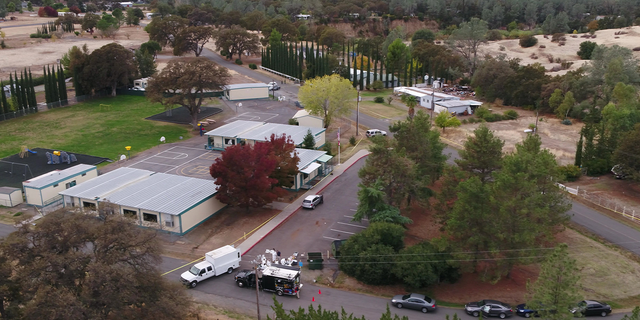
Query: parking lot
{"type": "Point", "coordinates": [344, 227]}
{"type": "Point", "coordinates": [253, 116]}
{"type": "Point", "coordinates": [180, 160]}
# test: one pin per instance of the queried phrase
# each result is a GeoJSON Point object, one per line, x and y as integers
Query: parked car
{"type": "Point", "coordinates": [525, 311]}
{"type": "Point", "coordinates": [414, 301]}
{"type": "Point", "coordinates": [273, 86]}
{"type": "Point", "coordinates": [475, 308]}
{"type": "Point", "coordinates": [591, 308]}
{"type": "Point", "coordinates": [375, 132]}
{"type": "Point", "coordinates": [311, 202]}
{"type": "Point", "coordinates": [497, 309]}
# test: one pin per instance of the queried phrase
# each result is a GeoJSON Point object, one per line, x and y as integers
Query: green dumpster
{"type": "Point", "coordinates": [315, 260]}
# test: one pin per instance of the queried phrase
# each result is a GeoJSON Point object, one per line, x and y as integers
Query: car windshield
{"type": "Point", "coordinates": [306, 201]}
{"type": "Point", "coordinates": [481, 303]}
{"type": "Point", "coordinates": [406, 296]}
{"type": "Point", "coordinates": [582, 304]}
{"type": "Point", "coordinates": [194, 270]}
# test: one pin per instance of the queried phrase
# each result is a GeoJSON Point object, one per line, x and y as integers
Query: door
{"type": "Point", "coordinates": [416, 304]}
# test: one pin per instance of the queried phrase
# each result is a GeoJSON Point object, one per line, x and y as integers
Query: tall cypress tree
{"type": "Point", "coordinates": [349, 60]}
{"type": "Point", "coordinates": [3, 102]}
{"type": "Point", "coordinates": [578, 160]}
{"type": "Point", "coordinates": [23, 91]}
{"type": "Point", "coordinates": [368, 81]}
{"type": "Point", "coordinates": [410, 72]}
{"type": "Point", "coordinates": [47, 97]}
{"type": "Point", "coordinates": [18, 91]}
{"type": "Point", "coordinates": [34, 101]}
{"type": "Point", "coordinates": [62, 84]}
{"type": "Point", "coordinates": [361, 70]}
{"type": "Point", "coordinates": [52, 84]}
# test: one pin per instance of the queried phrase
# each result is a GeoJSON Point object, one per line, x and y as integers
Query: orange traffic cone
{"type": "Point", "coordinates": [313, 299]}
{"type": "Point", "coordinates": [319, 292]}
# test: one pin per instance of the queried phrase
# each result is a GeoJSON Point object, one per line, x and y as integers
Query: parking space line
{"type": "Point", "coordinates": [351, 217]}
{"type": "Point", "coordinates": [342, 231]}
{"type": "Point", "coordinates": [352, 225]}
{"type": "Point", "coordinates": [331, 238]}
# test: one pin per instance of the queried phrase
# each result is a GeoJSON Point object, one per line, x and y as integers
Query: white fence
{"type": "Point", "coordinates": [604, 202]}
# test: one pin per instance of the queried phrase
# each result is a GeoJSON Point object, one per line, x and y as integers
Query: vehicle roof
{"type": "Point", "coordinates": [417, 295]}
{"type": "Point", "coordinates": [202, 265]}
{"type": "Point", "coordinates": [594, 301]}
{"type": "Point", "coordinates": [222, 251]}
{"type": "Point", "coordinates": [311, 197]}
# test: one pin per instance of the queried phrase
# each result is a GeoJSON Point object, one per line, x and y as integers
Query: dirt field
{"type": "Point", "coordinates": [566, 52]}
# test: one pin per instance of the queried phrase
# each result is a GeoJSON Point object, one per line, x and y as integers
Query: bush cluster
{"type": "Point", "coordinates": [238, 62]}
{"type": "Point", "coordinates": [378, 100]}
{"type": "Point", "coordinates": [511, 115]}
{"type": "Point", "coordinates": [40, 36]}
{"type": "Point", "coordinates": [570, 172]}
{"type": "Point", "coordinates": [253, 66]}
{"type": "Point", "coordinates": [484, 114]}
{"type": "Point", "coordinates": [527, 41]}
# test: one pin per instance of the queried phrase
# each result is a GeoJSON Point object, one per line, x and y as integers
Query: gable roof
{"type": "Point", "coordinates": [235, 128]}
{"type": "Point", "coordinates": [263, 133]}
{"type": "Point", "coordinates": [55, 176]}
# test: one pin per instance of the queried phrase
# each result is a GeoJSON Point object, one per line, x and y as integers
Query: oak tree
{"type": "Point", "coordinates": [166, 30]}
{"type": "Point", "coordinates": [184, 82]}
{"type": "Point", "coordinates": [78, 266]}
{"type": "Point", "coordinates": [192, 39]}
{"type": "Point", "coordinates": [330, 97]}
{"type": "Point", "coordinates": [237, 40]}
{"type": "Point", "coordinates": [109, 67]}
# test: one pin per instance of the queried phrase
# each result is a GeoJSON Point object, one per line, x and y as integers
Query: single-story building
{"type": "Point", "coordinates": [462, 107]}
{"type": "Point", "coordinates": [305, 119]}
{"type": "Point", "coordinates": [246, 91]}
{"type": "Point", "coordinates": [10, 197]}
{"type": "Point", "coordinates": [303, 16]}
{"type": "Point", "coordinates": [297, 134]}
{"type": "Point", "coordinates": [241, 131]}
{"type": "Point", "coordinates": [44, 190]}
{"type": "Point", "coordinates": [126, 4]}
{"type": "Point", "coordinates": [172, 203]}
{"type": "Point", "coordinates": [313, 164]}
{"type": "Point", "coordinates": [424, 96]}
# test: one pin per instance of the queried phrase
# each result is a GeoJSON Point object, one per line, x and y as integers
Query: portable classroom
{"type": "Point", "coordinates": [10, 197]}
{"type": "Point", "coordinates": [246, 91]}
{"type": "Point", "coordinates": [42, 190]}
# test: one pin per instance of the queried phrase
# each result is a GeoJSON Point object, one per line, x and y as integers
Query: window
{"type": "Point", "coordinates": [70, 184]}
{"type": "Point", "coordinates": [55, 185]}
{"type": "Point", "coordinates": [209, 268]}
{"type": "Point", "coordinates": [84, 174]}
{"type": "Point", "coordinates": [88, 205]}
{"type": "Point", "coordinates": [130, 213]}
{"type": "Point", "coordinates": [149, 217]}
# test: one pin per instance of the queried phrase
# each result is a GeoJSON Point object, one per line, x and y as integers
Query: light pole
{"type": "Point", "coordinates": [358, 113]}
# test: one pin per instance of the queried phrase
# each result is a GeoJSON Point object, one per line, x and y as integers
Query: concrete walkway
{"type": "Point", "coordinates": [292, 208]}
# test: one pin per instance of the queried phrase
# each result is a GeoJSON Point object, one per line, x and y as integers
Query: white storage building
{"type": "Point", "coordinates": [227, 135]}
{"type": "Point", "coordinates": [172, 203]}
{"type": "Point", "coordinates": [459, 107]}
{"type": "Point", "coordinates": [10, 197]}
{"type": "Point", "coordinates": [43, 190]}
{"type": "Point", "coordinates": [251, 131]}
{"type": "Point", "coordinates": [425, 95]}
{"type": "Point", "coordinates": [307, 120]}
{"type": "Point", "coordinates": [246, 91]}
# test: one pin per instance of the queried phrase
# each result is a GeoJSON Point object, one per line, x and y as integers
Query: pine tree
{"type": "Point", "coordinates": [578, 160]}
{"type": "Point", "coordinates": [556, 287]}
{"type": "Point", "coordinates": [309, 142]}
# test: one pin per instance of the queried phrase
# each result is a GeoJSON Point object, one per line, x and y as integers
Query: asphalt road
{"type": "Point", "coordinates": [5, 230]}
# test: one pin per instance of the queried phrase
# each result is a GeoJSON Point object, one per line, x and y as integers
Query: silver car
{"type": "Point", "coordinates": [414, 301]}
{"type": "Point", "coordinates": [311, 202]}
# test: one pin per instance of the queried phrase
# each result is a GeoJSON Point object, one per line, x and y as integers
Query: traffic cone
{"type": "Point", "coordinates": [313, 299]}
{"type": "Point", "coordinates": [319, 292]}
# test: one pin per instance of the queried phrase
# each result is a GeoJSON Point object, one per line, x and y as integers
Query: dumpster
{"type": "Point", "coordinates": [315, 260]}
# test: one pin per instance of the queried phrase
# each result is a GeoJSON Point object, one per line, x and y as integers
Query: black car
{"type": "Point", "coordinates": [591, 308]}
{"type": "Point", "coordinates": [526, 311]}
{"type": "Point", "coordinates": [414, 301]}
{"type": "Point", "coordinates": [475, 308]}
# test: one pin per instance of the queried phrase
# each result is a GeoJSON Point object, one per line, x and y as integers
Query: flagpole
{"type": "Point", "coordinates": [339, 146]}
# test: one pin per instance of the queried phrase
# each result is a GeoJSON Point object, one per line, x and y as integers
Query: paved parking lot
{"type": "Point", "coordinates": [180, 160]}
{"type": "Point", "coordinates": [344, 227]}
{"type": "Point", "coordinates": [253, 116]}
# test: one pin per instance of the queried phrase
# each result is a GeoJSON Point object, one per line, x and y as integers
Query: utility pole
{"type": "Point", "coordinates": [357, 112]}
{"type": "Point", "coordinates": [255, 267]}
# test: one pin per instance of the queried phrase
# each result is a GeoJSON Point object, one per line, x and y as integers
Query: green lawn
{"type": "Point", "coordinates": [381, 110]}
{"type": "Point", "coordinates": [380, 93]}
{"type": "Point", "coordinates": [88, 128]}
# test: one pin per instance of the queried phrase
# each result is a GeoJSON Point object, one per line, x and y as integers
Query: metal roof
{"type": "Point", "coordinates": [308, 156]}
{"type": "Point", "coordinates": [57, 176]}
{"type": "Point", "coordinates": [166, 193]}
{"type": "Point", "coordinates": [453, 103]}
{"type": "Point", "coordinates": [106, 183]}
{"type": "Point", "coordinates": [8, 190]}
{"type": "Point", "coordinates": [235, 128]}
{"type": "Point", "coordinates": [263, 133]}
{"type": "Point", "coordinates": [245, 86]}
{"type": "Point", "coordinates": [325, 158]}
{"type": "Point", "coordinates": [312, 166]}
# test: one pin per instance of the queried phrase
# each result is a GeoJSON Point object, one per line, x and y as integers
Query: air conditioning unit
{"type": "Point", "coordinates": [168, 224]}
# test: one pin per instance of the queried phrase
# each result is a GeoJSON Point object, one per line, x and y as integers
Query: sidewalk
{"type": "Point", "coordinates": [292, 208]}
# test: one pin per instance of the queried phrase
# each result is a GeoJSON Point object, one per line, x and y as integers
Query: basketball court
{"type": "Point", "coordinates": [253, 116]}
{"type": "Point", "coordinates": [180, 160]}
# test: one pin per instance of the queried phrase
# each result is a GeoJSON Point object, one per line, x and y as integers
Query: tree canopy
{"type": "Point", "coordinates": [184, 82]}
{"type": "Point", "coordinates": [330, 97]}
{"type": "Point", "coordinates": [109, 67]}
{"type": "Point", "coordinates": [466, 40]}
{"type": "Point", "coordinates": [237, 40]}
{"type": "Point", "coordinates": [79, 266]}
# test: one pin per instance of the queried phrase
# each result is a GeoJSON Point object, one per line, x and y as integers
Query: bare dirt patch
{"type": "Point", "coordinates": [558, 138]}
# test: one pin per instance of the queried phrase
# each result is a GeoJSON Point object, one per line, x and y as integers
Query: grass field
{"type": "Point", "coordinates": [381, 110]}
{"type": "Point", "coordinates": [381, 93]}
{"type": "Point", "coordinates": [89, 128]}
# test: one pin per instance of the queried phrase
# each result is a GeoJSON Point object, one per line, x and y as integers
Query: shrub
{"type": "Point", "coordinates": [570, 172]}
{"type": "Point", "coordinates": [636, 48]}
{"type": "Point", "coordinates": [293, 122]}
{"type": "Point", "coordinates": [58, 6]}
{"type": "Point", "coordinates": [377, 85]}
{"type": "Point", "coordinates": [415, 272]}
{"type": "Point", "coordinates": [527, 41]}
{"type": "Point", "coordinates": [558, 37]}
{"type": "Point", "coordinates": [40, 35]}
{"type": "Point", "coordinates": [2, 45]}
{"type": "Point", "coordinates": [77, 33]}
{"type": "Point", "coordinates": [472, 120]}
{"type": "Point", "coordinates": [493, 117]}
{"type": "Point", "coordinates": [352, 140]}
{"type": "Point", "coordinates": [253, 66]}
{"type": "Point", "coordinates": [75, 9]}
{"type": "Point", "coordinates": [378, 100]}
{"type": "Point", "coordinates": [328, 148]}
{"type": "Point", "coordinates": [465, 121]}
{"type": "Point", "coordinates": [542, 46]}
{"type": "Point", "coordinates": [502, 48]}
{"type": "Point", "coordinates": [511, 115]}
{"type": "Point", "coordinates": [482, 112]}
{"type": "Point", "coordinates": [566, 122]}
{"type": "Point", "coordinates": [50, 12]}
{"type": "Point", "coordinates": [586, 49]}
{"type": "Point", "coordinates": [494, 35]}
{"type": "Point", "coordinates": [41, 12]}
{"type": "Point", "coordinates": [238, 62]}
{"type": "Point", "coordinates": [17, 214]}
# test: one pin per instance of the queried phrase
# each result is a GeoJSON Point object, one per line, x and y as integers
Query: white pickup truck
{"type": "Point", "coordinates": [216, 262]}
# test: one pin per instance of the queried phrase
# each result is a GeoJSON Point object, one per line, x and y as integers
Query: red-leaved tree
{"type": "Point", "coordinates": [253, 176]}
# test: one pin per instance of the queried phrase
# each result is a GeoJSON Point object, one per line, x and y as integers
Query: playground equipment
{"type": "Point", "coordinates": [24, 151]}
{"type": "Point", "coordinates": [12, 165]}
{"type": "Point", "coordinates": [58, 157]}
